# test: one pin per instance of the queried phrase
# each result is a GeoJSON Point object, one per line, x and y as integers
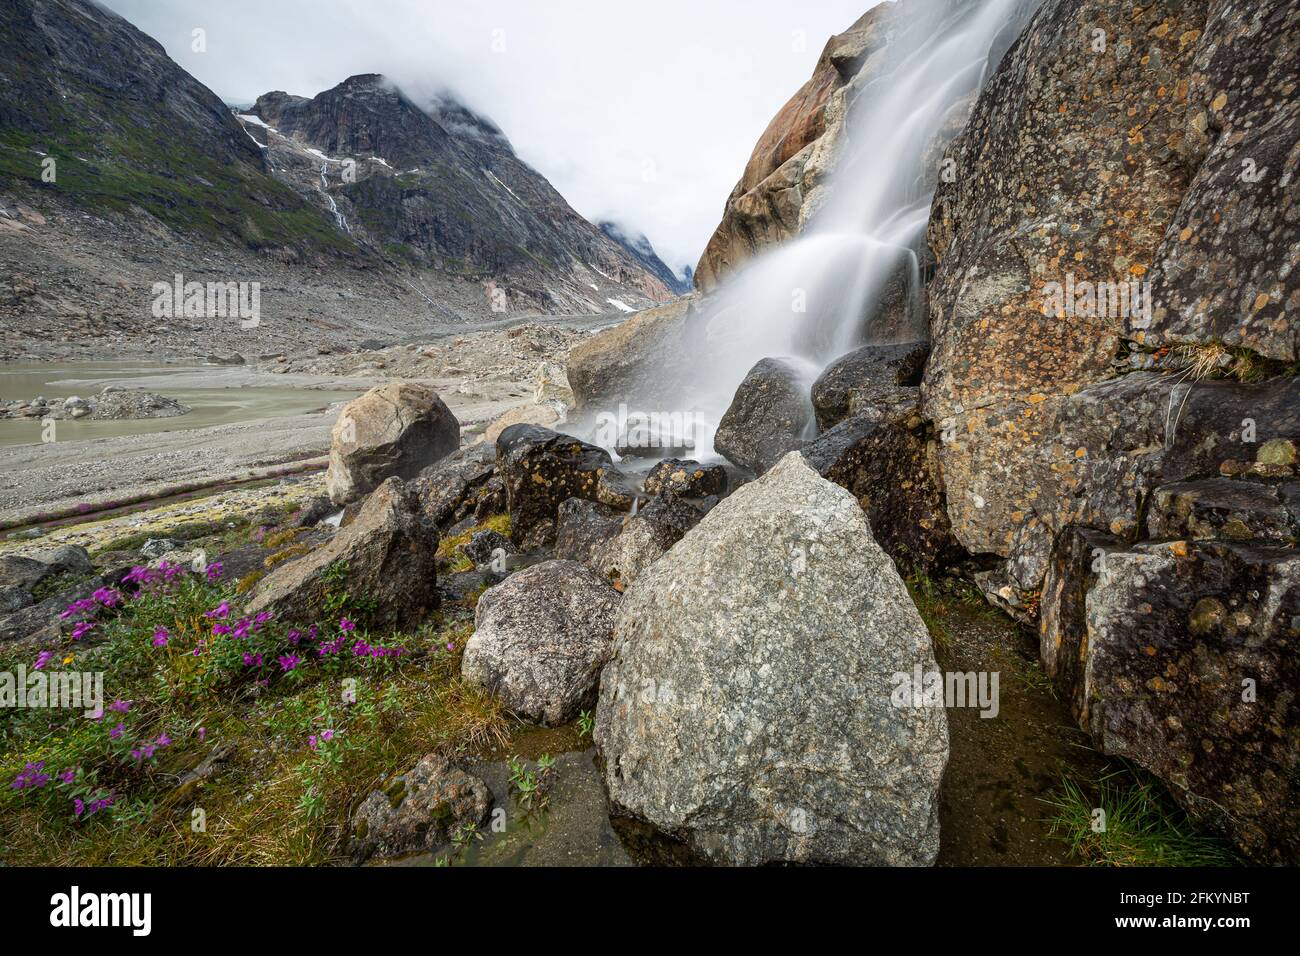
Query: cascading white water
{"type": "Point", "coordinates": [808, 301]}
{"type": "Point", "coordinates": [339, 219]}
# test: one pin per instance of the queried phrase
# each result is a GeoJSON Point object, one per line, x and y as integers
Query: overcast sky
{"type": "Point", "coordinates": [640, 112]}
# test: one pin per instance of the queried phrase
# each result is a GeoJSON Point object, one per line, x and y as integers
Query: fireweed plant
{"type": "Point", "coordinates": [180, 663]}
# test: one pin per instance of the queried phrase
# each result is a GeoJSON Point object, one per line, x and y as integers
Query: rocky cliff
{"type": "Point", "coordinates": [439, 186]}
{"type": "Point", "coordinates": [96, 114]}
{"type": "Point", "coordinates": [1108, 420]}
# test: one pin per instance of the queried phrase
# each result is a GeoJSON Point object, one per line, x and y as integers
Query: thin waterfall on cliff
{"type": "Point", "coordinates": [815, 298]}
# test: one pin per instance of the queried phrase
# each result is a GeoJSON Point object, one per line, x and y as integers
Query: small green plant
{"type": "Point", "coordinates": [532, 787]}
{"type": "Point", "coordinates": [465, 835]}
{"type": "Point", "coordinates": [586, 723]}
{"type": "Point", "coordinates": [1129, 822]}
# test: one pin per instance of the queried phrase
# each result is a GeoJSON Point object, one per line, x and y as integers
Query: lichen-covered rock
{"type": "Point", "coordinates": [389, 554]}
{"type": "Point", "coordinates": [1097, 158]}
{"type": "Point", "coordinates": [394, 430]}
{"type": "Point", "coordinates": [582, 526]}
{"type": "Point", "coordinates": [643, 539]}
{"type": "Point", "coordinates": [540, 639]}
{"type": "Point", "coordinates": [686, 478]}
{"type": "Point", "coordinates": [1221, 508]}
{"type": "Point", "coordinates": [1015, 476]}
{"type": "Point", "coordinates": [1191, 670]}
{"type": "Point", "coordinates": [419, 810]}
{"type": "Point", "coordinates": [746, 710]}
{"type": "Point", "coordinates": [1225, 270]}
{"type": "Point", "coordinates": [770, 415]}
{"type": "Point", "coordinates": [541, 470]}
{"type": "Point", "coordinates": [871, 366]}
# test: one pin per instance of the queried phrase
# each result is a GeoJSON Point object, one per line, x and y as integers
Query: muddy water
{"type": "Point", "coordinates": [210, 406]}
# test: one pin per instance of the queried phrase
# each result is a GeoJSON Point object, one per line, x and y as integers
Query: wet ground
{"type": "Point", "coordinates": [991, 813]}
{"type": "Point", "coordinates": [223, 404]}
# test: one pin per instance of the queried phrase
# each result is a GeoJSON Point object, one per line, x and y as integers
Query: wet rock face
{"type": "Point", "coordinates": [463, 485]}
{"type": "Point", "coordinates": [540, 639]}
{"type": "Point", "coordinates": [687, 478]}
{"type": "Point", "coordinates": [418, 811]}
{"type": "Point", "coordinates": [886, 462]}
{"type": "Point", "coordinates": [1224, 271]}
{"type": "Point", "coordinates": [643, 539]}
{"type": "Point", "coordinates": [777, 604]}
{"type": "Point", "coordinates": [769, 416]}
{"type": "Point", "coordinates": [1078, 558]}
{"type": "Point", "coordinates": [871, 368]}
{"type": "Point", "coordinates": [1189, 668]}
{"type": "Point", "coordinates": [583, 526]}
{"type": "Point", "coordinates": [394, 430]}
{"type": "Point", "coordinates": [389, 550]}
{"type": "Point", "coordinates": [542, 469]}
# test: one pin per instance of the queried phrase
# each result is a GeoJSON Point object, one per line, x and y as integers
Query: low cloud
{"type": "Point", "coordinates": [642, 114]}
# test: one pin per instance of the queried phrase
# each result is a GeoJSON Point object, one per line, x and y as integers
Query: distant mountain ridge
{"type": "Point", "coordinates": [640, 247]}
{"type": "Point", "coordinates": [440, 186]}
{"type": "Point", "coordinates": [96, 118]}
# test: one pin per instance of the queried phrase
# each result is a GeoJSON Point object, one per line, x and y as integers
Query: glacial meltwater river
{"type": "Point", "coordinates": [217, 395]}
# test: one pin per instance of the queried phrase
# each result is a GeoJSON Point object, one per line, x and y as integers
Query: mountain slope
{"type": "Point", "coordinates": [130, 131]}
{"type": "Point", "coordinates": [439, 186]}
{"type": "Point", "coordinates": [640, 247]}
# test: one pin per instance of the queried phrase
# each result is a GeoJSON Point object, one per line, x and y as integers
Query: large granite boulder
{"type": "Point", "coordinates": [419, 810]}
{"type": "Point", "coordinates": [540, 639]}
{"type": "Point", "coordinates": [542, 469]}
{"type": "Point", "coordinates": [389, 554]}
{"type": "Point", "coordinates": [770, 415]}
{"type": "Point", "coordinates": [394, 430]}
{"type": "Point", "coordinates": [750, 707]}
{"type": "Point", "coordinates": [1181, 656]}
{"type": "Point", "coordinates": [634, 362]}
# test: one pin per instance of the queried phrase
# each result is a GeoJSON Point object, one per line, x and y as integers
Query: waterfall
{"type": "Point", "coordinates": [339, 218]}
{"type": "Point", "coordinates": [812, 299]}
